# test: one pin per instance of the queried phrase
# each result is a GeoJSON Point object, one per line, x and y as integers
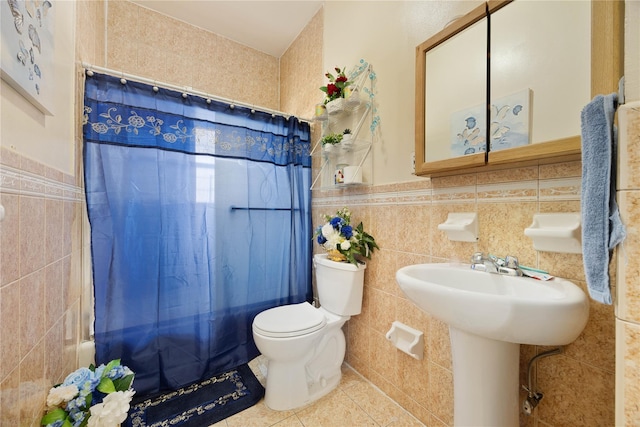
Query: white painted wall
{"type": "Point", "coordinates": [26, 130]}
{"type": "Point", "coordinates": [386, 33]}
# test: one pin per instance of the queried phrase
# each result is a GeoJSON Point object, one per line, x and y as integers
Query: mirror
{"type": "Point", "coordinates": [540, 71]}
{"type": "Point", "coordinates": [452, 85]}
{"type": "Point", "coordinates": [552, 56]}
{"type": "Point", "coordinates": [456, 95]}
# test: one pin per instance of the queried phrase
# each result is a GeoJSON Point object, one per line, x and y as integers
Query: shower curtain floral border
{"type": "Point", "coordinates": [119, 124]}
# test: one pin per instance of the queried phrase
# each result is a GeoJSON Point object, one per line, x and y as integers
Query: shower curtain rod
{"type": "Point", "coordinates": [187, 90]}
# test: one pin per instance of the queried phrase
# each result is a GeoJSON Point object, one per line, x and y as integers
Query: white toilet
{"type": "Point", "coordinates": [304, 345]}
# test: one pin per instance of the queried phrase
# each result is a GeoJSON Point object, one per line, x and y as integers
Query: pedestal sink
{"type": "Point", "coordinates": [489, 316]}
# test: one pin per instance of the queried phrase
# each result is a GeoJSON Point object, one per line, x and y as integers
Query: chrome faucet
{"type": "Point", "coordinates": [492, 264]}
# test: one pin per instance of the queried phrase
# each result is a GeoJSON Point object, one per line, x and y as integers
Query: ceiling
{"type": "Point", "coordinates": [265, 25]}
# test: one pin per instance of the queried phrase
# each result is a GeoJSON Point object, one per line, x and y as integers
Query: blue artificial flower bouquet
{"type": "Point", "coordinates": [91, 397]}
{"type": "Point", "coordinates": [342, 241]}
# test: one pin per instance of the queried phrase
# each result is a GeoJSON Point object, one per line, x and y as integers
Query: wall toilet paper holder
{"type": "Point", "coordinates": [407, 339]}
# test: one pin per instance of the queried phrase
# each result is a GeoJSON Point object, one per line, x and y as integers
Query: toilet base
{"type": "Point", "coordinates": [295, 383]}
{"type": "Point", "coordinates": [288, 388]}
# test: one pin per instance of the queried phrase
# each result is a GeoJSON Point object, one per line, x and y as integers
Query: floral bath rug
{"type": "Point", "coordinates": [199, 404]}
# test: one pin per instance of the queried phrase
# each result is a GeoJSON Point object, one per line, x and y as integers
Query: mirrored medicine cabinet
{"type": "Point", "coordinates": [504, 85]}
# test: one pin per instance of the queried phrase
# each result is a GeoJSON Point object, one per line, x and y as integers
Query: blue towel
{"type": "Point", "coordinates": [602, 228]}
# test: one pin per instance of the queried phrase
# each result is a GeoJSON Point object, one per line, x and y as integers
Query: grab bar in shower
{"type": "Point", "coordinates": [238, 208]}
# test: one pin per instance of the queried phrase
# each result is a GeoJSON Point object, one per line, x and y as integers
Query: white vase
{"type": "Point", "coordinates": [347, 141]}
{"type": "Point", "coordinates": [335, 107]}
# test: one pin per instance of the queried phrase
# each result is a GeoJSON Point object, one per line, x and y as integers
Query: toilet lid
{"type": "Point", "coordinates": [289, 321]}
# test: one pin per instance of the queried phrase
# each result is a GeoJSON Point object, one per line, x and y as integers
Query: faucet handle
{"type": "Point", "coordinates": [477, 258]}
{"type": "Point", "coordinates": [511, 262]}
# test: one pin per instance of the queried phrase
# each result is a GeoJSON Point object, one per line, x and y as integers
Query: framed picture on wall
{"type": "Point", "coordinates": [27, 51]}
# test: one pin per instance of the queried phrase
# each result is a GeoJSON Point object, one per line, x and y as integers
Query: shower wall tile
{"type": "Point", "coordinates": [90, 49]}
{"type": "Point", "coordinates": [146, 43]}
{"type": "Point", "coordinates": [121, 34]}
{"type": "Point", "coordinates": [301, 72]}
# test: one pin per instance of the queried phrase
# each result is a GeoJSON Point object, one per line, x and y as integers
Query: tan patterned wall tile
{"type": "Point", "coordinates": [629, 335]}
{"type": "Point", "coordinates": [628, 266]}
{"type": "Point", "coordinates": [454, 181]}
{"type": "Point", "coordinates": [508, 175]}
{"type": "Point", "coordinates": [563, 381]}
{"type": "Point", "coordinates": [560, 189]}
{"type": "Point", "coordinates": [301, 73]}
{"type": "Point", "coordinates": [383, 357]}
{"type": "Point", "coordinates": [521, 191]}
{"type": "Point", "coordinates": [440, 401]}
{"type": "Point", "coordinates": [594, 344]}
{"type": "Point", "coordinates": [456, 194]}
{"type": "Point", "coordinates": [561, 170]}
{"type": "Point", "coordinates": [146, 43]}
{"type": "Point", "coordinates": [502, 230]}
{"type": "Point", "coordinates": [629, 140]}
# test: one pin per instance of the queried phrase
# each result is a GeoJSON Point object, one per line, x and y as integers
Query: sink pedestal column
{"type": "Point", "coordinates": [485, 381]}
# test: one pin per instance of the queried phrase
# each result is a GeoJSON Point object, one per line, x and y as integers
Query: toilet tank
{"type": "Point", "coordinates": [340, 285]}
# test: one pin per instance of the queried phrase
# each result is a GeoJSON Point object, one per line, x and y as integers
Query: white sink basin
{"type": "Point", "coordinates": [504, 308]}
{"type": "Point", "coordinates": [489, 316]}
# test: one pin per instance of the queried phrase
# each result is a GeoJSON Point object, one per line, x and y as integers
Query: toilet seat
{"type": "Point", "coordinates": [289, 321]}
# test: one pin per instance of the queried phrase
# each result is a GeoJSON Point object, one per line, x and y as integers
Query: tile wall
{"type": "Point", "coordinates": [40, 269]}
{"type": "Point", "coordinates": [148, 44]}
{"type": "Point", "coordinates": [628, 313]}
{"type": "Point", "coordinates": [404, 218]}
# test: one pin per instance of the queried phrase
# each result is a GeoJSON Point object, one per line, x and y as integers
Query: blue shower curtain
{"type": "Point", "coordinates": [200, 219]}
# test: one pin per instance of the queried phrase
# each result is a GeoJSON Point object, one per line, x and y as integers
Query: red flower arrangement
{"type": "Point", "coordinates": [335, 88]}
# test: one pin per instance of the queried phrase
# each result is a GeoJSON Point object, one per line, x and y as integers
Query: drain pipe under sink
{"type": "Point", "coordinates": [534, 397]}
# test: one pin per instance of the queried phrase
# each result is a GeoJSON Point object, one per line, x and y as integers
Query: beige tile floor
{"type": "Point", "coordinates": [355, 402]}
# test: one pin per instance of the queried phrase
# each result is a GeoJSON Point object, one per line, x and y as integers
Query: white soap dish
{"type": "Point", "coordinates": [556, 232]}
{"type": "Point", "coordinates": [461, 227]}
